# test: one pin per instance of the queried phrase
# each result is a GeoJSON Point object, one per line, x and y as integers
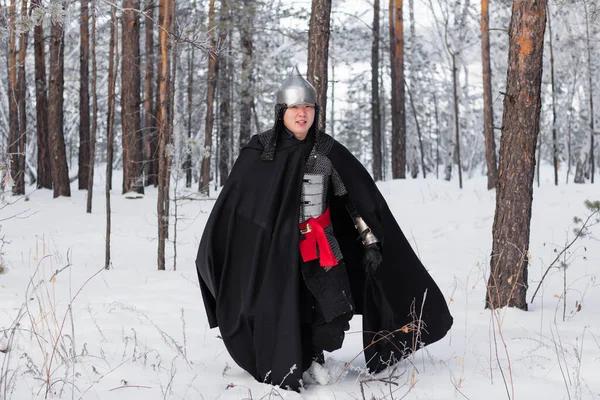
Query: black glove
{"type": "Point", "coordinates": [372, 257]}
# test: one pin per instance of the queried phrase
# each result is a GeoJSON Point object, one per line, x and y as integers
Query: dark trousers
{"type": "Point", "coordinates": [317, 334]}
{"type": "Point", "coordinates": [328, 336]}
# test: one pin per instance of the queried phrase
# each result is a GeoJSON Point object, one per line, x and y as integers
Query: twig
{"type": "Point", "coordinates": [18, 216]}
{"type": "Point", "coordinates": [29, 314]}
{"type": "Point", "coordinates": [458, 390]}
{"type": "Point", "coordinates": [579, 356]}
{"type": "Point", "coordinates": [184, 335]}
{"type": "Point", "coordinates": [58, 271]}
{"type": "Point", "coordinates": [5, 362]}
{"type": "Point", "coordinates": [171, 378]}
{"type": "Point", "coordinates": [193, 40]}
{"type": "Point", "coordinates": [409, 327]}
{"type": "Point", "coordinates": [577, 236]}
{"type": "Point", "coordinates": [387, 381]}
{"type": "Point", "coordinates": [130, 386]}
{"type": "Point", "coordinates": [498, 356]}
{"type": "Point", "coordinates": [559, 363]}
{"type": "Point", "coordinates": [562, 348]}
{"type": "Point", "coordinates": [111, 371]}
{"type": "Point", "coordinates": [231, 386]}
{"type": "Point", "coordinates": [404, 329]}
{"type": "Point", "coordinates": [63, 323]}
{"type": "Point", "coordinates": [168, 339]}
{"type": "Point", "coordinates": [410, 388]}
{"type": "Point", "coordinates": [89, 310]}
{"type": "Point", "coordinates": [564, 291]}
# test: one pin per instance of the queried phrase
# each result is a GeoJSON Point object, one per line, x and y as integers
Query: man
{"type": "Point", "coordinates": [300, 240]}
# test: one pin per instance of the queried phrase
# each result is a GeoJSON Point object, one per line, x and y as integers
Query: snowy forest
{"type": "Point", "coordinates": [484, 101]}
{"type": "Point", "coordinates": [164, 91]}
{"type": "Point", "coordinates": [79, 71]}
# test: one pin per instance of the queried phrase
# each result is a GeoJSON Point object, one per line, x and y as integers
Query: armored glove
{"type": "Point", "coordinates": [372, 252]}
{"type": "Point", "coordinates": [372, 257]}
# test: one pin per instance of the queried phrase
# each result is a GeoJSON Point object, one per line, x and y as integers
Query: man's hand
{"type": "Point", "coordinates": [372, 257]}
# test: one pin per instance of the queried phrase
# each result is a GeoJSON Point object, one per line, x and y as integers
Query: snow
{"type": "Point", "coordinates": [139, 333]}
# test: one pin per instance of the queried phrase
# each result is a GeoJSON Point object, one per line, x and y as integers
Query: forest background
{"type": "Point", "coordinates": [223, 62]}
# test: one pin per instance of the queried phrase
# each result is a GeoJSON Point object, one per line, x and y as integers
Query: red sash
{"type": "Point", "coordinates": [314, 236]}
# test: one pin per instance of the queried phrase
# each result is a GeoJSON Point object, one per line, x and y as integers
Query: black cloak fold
{"type": "Point", "coordinates": [249, 272]}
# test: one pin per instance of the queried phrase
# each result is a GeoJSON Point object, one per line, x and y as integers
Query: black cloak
{"type": "Point", "coordinates": [249, 264]}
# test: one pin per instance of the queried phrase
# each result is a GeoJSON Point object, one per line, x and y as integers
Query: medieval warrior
{"type": "Point", "coordinates": [299, 241]}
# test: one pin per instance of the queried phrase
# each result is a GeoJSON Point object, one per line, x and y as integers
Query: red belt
{"type": "Point", "coordinates": [314, 236]}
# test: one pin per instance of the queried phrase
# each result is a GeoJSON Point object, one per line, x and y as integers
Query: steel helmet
{"type": "Point", "coordinates": [296, 90]}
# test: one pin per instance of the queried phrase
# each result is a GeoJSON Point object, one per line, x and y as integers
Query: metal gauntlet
{"type": "Point", "coordinates": [366, 235]}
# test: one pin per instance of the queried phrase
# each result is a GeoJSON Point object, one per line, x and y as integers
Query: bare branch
{"type": "Point", "coordinates": [578, 234]}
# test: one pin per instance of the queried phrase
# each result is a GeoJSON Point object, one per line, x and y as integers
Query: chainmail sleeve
{"type": "Point", "coordinates": [338, 186]}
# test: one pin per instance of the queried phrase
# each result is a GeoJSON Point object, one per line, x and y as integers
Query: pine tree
{"type": "Point", "coordinates": [507, 284]}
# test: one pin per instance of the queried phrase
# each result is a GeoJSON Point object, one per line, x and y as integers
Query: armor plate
{"type": "Point", "coordinates": [314, 196]}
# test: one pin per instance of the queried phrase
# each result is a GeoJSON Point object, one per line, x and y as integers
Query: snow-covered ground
{"type": "Point", "coordinates": [138, 333]}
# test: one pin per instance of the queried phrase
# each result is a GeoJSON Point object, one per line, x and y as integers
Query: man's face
{"type": "Point", "coordinates": [298, 119]}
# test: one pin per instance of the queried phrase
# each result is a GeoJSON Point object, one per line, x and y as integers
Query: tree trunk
{"type": "Point", "coordinates": [332, 111]}
{"type": "Point", "coordinates": [90, 182]}
{"type": "Point", "coordinates": [247, 89]}
{"type": "Point", "coordinates": [157, 105]}
{"type": "Point", "coordinates": [130, 98]}
{"type": "Point", "coordinates": [436, 113]}
{"type": "Point", "coordinates": [318, 54]}
{"type": "Point", "coordinates": [581, 168]}
{"type": "Point", "coordinates": [56, 139]}
{"type": "Point", "coordinates": [19, 187]}
{"type": "Point", "coordinates": [507, 284]}
{"type": "Point", "coordinates": [166, 172]}
{"type": "Point", "coordinates": [456, 118]}
{"type": "Point", "coordinates": [553, 89]}
{"type": "Point", "coordinates": [449, 159]}
{"type": "Point", "coordinates": [44, 176]}
{"type": "Point", "coordinates": [232, 95]}
{"type": "Point", "coordinates": [210, 98]}
{"type": "Point", "coordinates": [375, 105]}
{"type": "Point", "coordinates": [538, 158]}
{"type": "Point", "coordinates": [488, 108]}
{"type": "Point", "coordinates": [570, 119]}
{"type": "Point", "coordinates": [419, 136]}
{"type": "Point", "coordinates": [382, 99]}
{"type": "Point", "coordinates": [410, 86]}
{"type": "Point", "coordinates": [398, 106]}
{"type": "Point", "coordinates": [84, 98]}
{"type": "Point", "coordinates": [585, 162]}
{"type": "Point", "coordinates": [13, 103]}
{"type": "Point", "coordinates": [256, 121]}
{"type": "Point", "coordinates": [112, 80]}
{"type": "Point", "coordinates": [187, 165]}
{"type": "Point", "coordinates": [162, 116]}
{"type": "Point", "coordinates": [150, 160]}
{"type": "Point", "coordinates": [225, 83]}
{"type": "Point", "coordinates": [591, 86]}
